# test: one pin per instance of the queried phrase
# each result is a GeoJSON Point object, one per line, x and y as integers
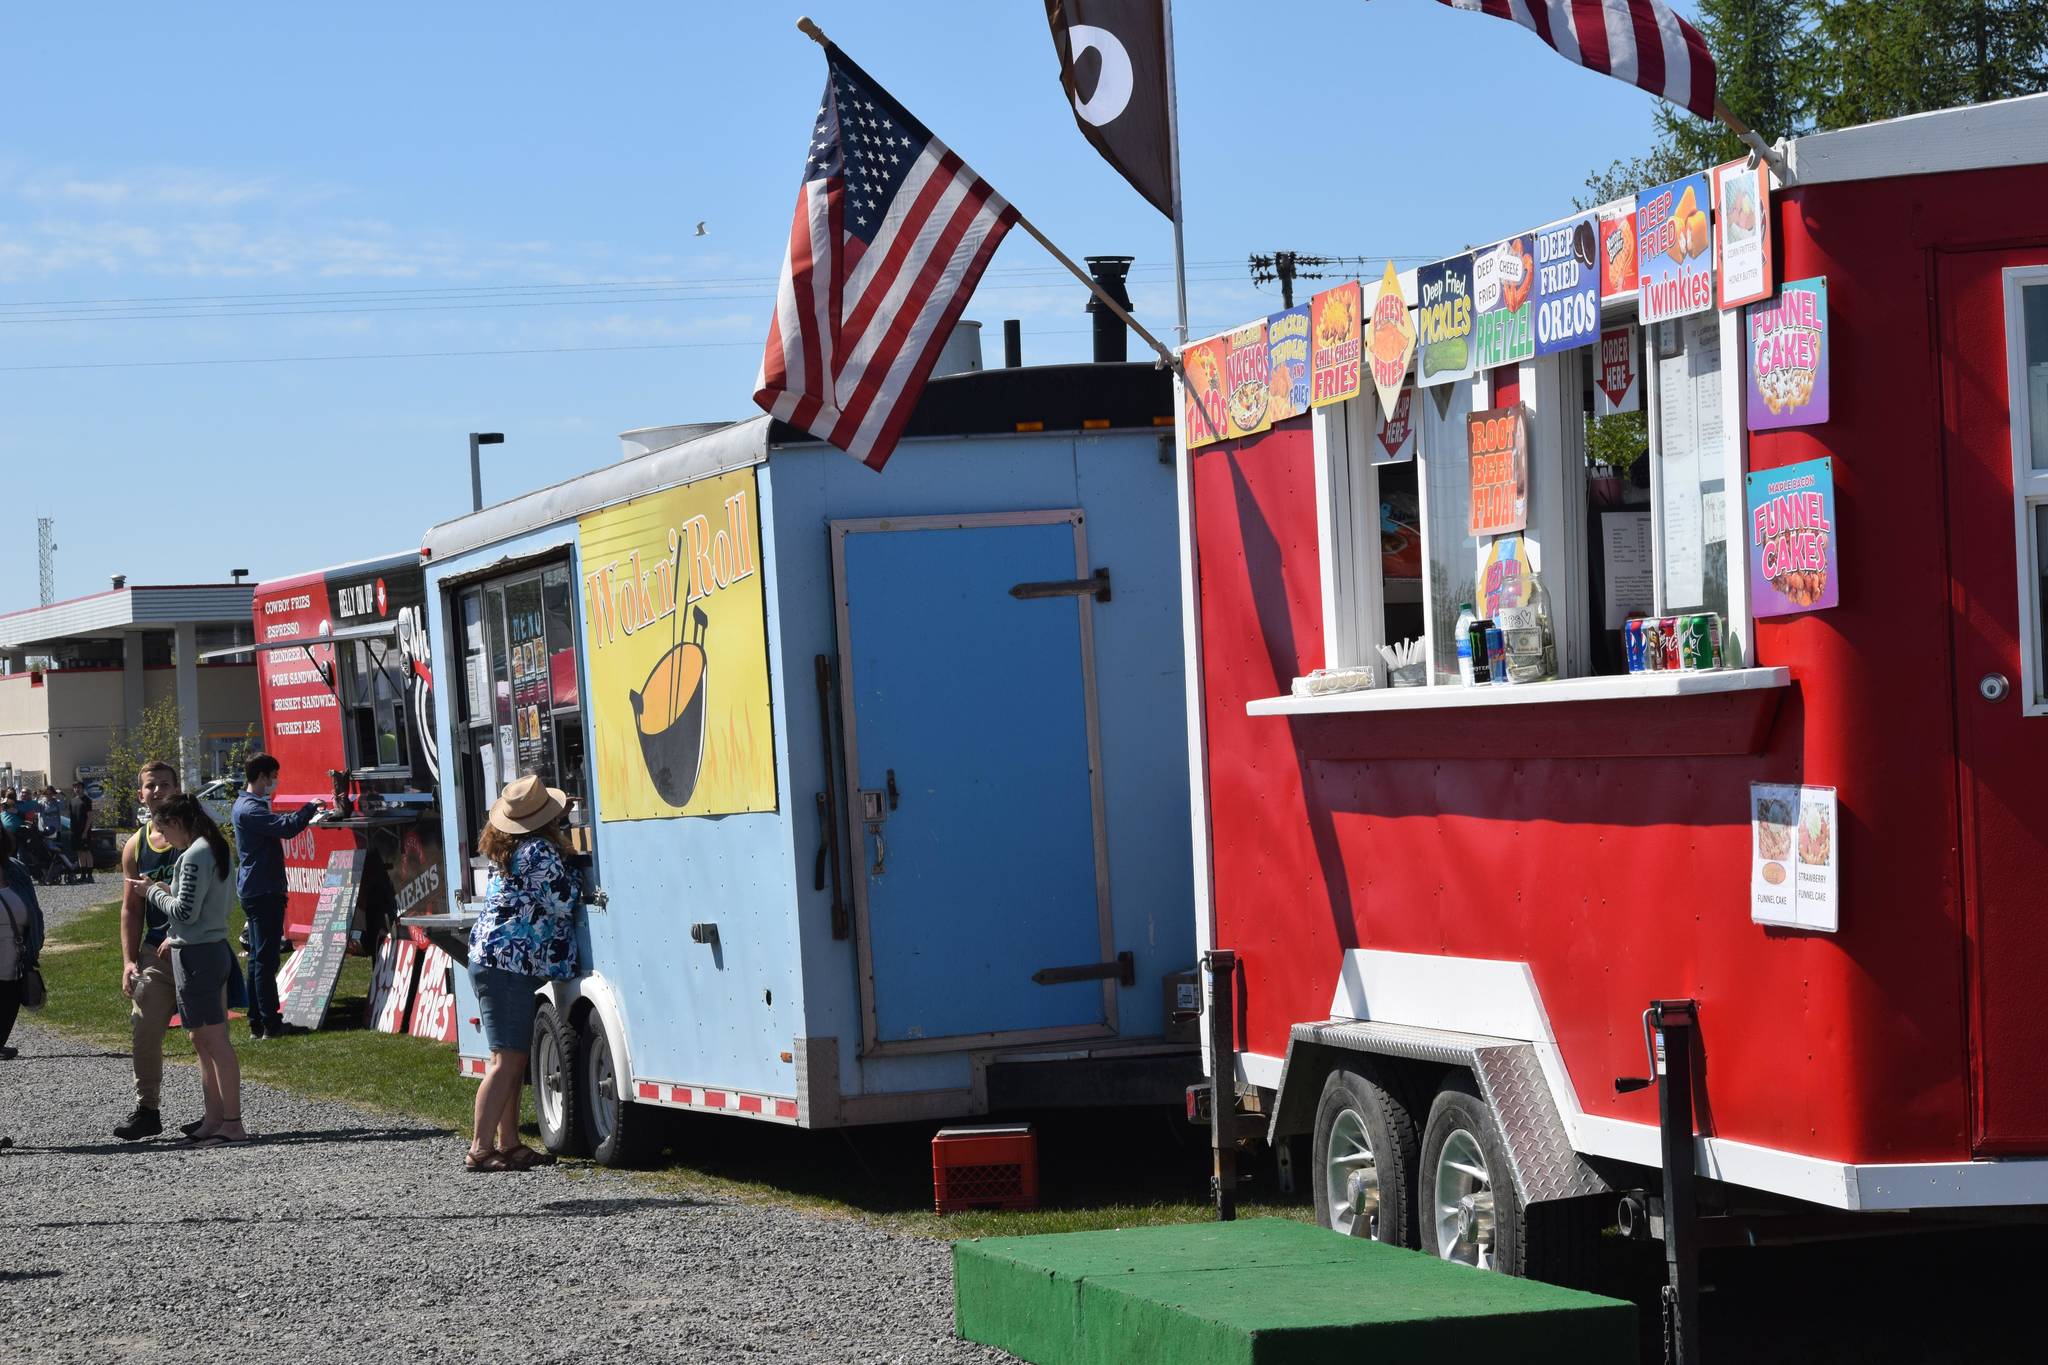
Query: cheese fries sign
{"type": "Point", "coordinates": [1391, 341]}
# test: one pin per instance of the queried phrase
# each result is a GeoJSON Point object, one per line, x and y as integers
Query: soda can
{"type": "Point", "coordinates": [1667, 641]}
{"type": "Point", "coordinates": [1496, 655]}
{"type": "Point", "coordinates": [1653, 648]}
{"type": "Point", "coordinates": [1699, 642]}
{"type": "Point", "coordinates": [1482, 672]}
{"type": "Point", "coordinates": [1632, 644]}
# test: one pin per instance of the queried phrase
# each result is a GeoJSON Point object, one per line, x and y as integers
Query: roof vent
{"type": "Point", "coordinates": [1112, 342]}
{"type": "Point", "coordinates": [962, 351]}
{"type": "Point", "coordinates": [120, 580]}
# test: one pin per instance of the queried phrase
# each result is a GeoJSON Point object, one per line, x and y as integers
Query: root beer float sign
{"type": "Point", "coordinates": [676, 627]}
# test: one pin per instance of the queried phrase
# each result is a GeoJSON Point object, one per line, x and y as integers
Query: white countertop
{"type": "Point", "coordinates": [1619, 687]}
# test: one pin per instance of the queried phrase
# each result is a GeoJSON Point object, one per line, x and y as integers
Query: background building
{"type": "Point", "coordinates": [111, 654]}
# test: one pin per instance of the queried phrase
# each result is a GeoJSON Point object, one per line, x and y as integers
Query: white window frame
{"type": "Point", "coordinates": [2029, 485]}
{"type": "Point", "coordinates": [1347, 499]}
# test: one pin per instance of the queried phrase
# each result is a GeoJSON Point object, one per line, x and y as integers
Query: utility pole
{"type": "Point", "coordinates": [46, 559]}
{"type": "Point", "coordinates": [1288, 266]}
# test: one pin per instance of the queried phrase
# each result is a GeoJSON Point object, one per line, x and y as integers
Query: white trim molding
{"type": "Point", "coordinates": [1499, 999]}
{"type": "Point", "coordinates": [2029, 485]}
{"type": "Point", "coordinates": [1970, 138]}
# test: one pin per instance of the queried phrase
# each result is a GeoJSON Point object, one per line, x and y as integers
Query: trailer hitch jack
{"type": "Point", "coordinates": [1219, 1012]}
{"type": "Point", "coordinates": [1671, 1035]}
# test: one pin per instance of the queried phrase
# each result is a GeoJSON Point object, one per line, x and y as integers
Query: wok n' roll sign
{"type": "Point", "coordinates": [676, 635]}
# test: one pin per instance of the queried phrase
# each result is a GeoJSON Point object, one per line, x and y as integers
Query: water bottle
{"type": "Point", "coordinates": [1464, 639]}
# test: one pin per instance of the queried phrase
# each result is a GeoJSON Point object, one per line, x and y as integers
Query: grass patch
{"type": "Point", "coordinates": [1098, 1168]}
{"type": "Point", "coordinates": [344, 1061]}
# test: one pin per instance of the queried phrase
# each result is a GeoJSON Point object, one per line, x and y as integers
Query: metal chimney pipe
{"type": "Point", "coordinates": [1013, 343]}
{"type": "Point", "coordinates": [120, 580]}
{"type": "Point", "coordinates": [1112, 342]}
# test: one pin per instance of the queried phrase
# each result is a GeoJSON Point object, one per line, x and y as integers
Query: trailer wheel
{"type": "Point", "coordinates": [617, 1131]}
{"type": "Point", "coordinates": [556, 1102]}
{"type": "Point", "coordinates": [1472, 1212]}
{"type": "Point", "coordinates": [1365, 1157]}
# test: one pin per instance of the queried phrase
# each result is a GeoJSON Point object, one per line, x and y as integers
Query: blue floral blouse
{"type": "Point", "coordinates": [528, 924]}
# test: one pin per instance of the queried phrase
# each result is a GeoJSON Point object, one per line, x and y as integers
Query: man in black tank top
{"type": "Point", "coordinates": [145, 977]}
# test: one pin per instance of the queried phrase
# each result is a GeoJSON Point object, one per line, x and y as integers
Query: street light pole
{"type": "Point", "coordinates": [476, 466]}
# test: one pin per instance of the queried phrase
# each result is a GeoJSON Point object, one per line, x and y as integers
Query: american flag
{"type": "Point", "coordinates": [891, 235]}
{"type": "Point", "coordinates": [1642, 42]}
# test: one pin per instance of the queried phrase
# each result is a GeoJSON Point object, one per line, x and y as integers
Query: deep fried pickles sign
{"type": "Point", "coordinates": [1335, 340]}
{"type": "Point", "coordinates": [1443, 321]}
{"type": "Point", "coordinates": [1792, 553]}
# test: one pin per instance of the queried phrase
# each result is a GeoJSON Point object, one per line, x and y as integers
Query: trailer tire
{"type": "Point", "coordinates": [555, 1062]}
{"type": "Point", "coordinates": [616, 1132]}
{"type": "Point", "coordinates": [1471, 1211]}
{"type": "Point", "coordinates": [1361, 1114]}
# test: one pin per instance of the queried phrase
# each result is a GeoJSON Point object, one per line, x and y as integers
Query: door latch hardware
{"type": "Point", "coordinates": [893, 796]}
{"type": "Point", "coordinates": [1993, 687]}
{"type": "Point", "coordinates": [1096, 587]}
{"type": "Point", "coordinates": [1123, 970]}
{"type": "Point", "coordinates": [872, 808]}
{"type": "Point", "coordinates": [881, 852]}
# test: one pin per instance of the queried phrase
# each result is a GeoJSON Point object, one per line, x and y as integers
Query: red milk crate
{"type": "Point", "coordinates": [990, 1167]}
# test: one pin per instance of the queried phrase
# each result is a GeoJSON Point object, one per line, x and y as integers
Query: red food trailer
{"type": "Point", "coordinates": [346, 681]}
{"type": "Point", "coordinates": [1492, 950]}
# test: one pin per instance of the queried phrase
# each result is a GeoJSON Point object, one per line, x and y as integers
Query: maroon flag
{"type": "Point", "coordinates": [1642, 42]}
{"type": "Point", "coordinates": [1113, 66]}
{"type": "Point", "coordinates": [892, 233]}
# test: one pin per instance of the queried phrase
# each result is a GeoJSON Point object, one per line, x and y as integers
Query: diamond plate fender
{"type": "Point", "coordinates": [1510, 1077]}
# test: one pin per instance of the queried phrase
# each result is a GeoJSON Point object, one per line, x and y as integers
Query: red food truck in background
{"type": "Point", "coordinates": [346, 680]}
{"type": "Point", "coordinates": [1491, 951]}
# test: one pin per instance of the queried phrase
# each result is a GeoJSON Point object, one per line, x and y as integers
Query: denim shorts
{"type": "Point", "coordinates": [507, 1003]}
{"type": "Point", "coordinates": [201, 971]}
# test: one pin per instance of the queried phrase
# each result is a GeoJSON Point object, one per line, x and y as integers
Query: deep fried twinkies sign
{"type": "Point", "coordinates": [1675, 240]}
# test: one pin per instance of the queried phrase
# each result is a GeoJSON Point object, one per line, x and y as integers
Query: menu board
{"type": "Point", "coordinates": [1795, 857]}
{"type": "Point", "coordinates": [1691, 449]}
{"type": "Point", "coordinates": [316, 966]}
{"type": "Point", "coordinates": [532, 715]}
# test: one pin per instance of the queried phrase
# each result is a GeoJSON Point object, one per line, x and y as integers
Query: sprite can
{"type": "Point", "coordinates": [1699, 642]}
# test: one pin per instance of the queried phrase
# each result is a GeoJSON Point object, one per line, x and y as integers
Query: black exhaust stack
{"type": "Point", "coordinates": [1112, 341]}
{"type": "Point", "coordinates": [1013, 343]}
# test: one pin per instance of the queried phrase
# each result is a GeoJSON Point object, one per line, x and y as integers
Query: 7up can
{"type": "Point", "coordinates": [1699, 642]}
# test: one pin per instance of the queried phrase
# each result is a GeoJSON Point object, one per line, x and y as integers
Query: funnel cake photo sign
{"type": "Point", "coordinates": [677, 652]}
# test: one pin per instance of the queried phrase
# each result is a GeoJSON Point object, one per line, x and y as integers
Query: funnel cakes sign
{"type": "Point", "coordinates": [675, 623]}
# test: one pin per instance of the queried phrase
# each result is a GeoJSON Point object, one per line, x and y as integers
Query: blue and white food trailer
{"type": "Point", "coordinates": [883, 777]}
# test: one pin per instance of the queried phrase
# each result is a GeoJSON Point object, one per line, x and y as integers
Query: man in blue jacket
{"type": "Point", "coordinates": [259, 882]}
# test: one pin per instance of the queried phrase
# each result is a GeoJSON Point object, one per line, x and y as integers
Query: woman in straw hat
{"type": "Point", "coordinates": [525, 937]}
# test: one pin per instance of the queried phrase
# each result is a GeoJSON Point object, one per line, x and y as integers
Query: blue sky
{"type": "Point", "coordinates": [210, 182]}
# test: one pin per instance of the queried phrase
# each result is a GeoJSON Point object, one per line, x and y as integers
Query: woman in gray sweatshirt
{"type": "Point", "coordinates": [196, 902]}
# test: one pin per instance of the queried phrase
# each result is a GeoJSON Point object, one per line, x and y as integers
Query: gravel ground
{"type": "Point", "coordinates": [346, 1236]}
{"type": "Point", "coordinates": [60, 903]}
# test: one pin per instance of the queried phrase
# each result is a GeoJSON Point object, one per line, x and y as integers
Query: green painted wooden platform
{"type": "Point", "coordinates": [1263, 1291]}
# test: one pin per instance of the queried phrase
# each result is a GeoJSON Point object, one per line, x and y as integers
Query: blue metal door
{"type": "Point", "coordinates": [976, 810]}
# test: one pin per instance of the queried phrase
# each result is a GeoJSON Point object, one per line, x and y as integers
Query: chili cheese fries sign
{"type": "Point", "coordinates": [676, 634]}
{"type": "Point", "coordinates": [1336, 336]}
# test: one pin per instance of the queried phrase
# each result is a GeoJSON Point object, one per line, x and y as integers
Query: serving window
{"type": "Point", "coordinates": [1626, 515]}
{"type": "Point", "coordinates": [518, 706]}
{"type": "Point", "coordinates": [370, 678]}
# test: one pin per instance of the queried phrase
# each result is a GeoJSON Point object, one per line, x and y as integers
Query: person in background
{"type": "Point", "coordinates": [10, 817]}
{"type": "Point", "coordinates": [21, 936]}
{"type": "Point", "coordinates": [524, 938]}
{"type": "Point", "coordinates": [195, 902]}
{"type": "Point", "coordinates": [259, 880]}
{"type": "Point", "coordinates": [81, 829]}
{"type": "Point", "coordinates": [53, 817]}
{"type": "Point", "coordinates": [145, 977]}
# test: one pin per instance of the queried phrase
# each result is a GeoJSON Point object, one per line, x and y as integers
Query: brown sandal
{"type": "Point", "coordinates": [486, 1160]}
{"type": "Point", "coordinates": [525, 1158]}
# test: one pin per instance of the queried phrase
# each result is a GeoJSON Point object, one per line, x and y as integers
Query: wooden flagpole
{"type": "Point", "coordinates": [1167, 358]}
{"type": "Point", "coordinates": [1754, 142]}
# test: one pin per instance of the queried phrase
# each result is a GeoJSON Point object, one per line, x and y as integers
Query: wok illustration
{"type": "Point", "coordinates": [668, 711]}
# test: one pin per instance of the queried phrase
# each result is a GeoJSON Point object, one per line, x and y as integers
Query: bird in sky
{"type": "Point", "coordinates": [700, 229]}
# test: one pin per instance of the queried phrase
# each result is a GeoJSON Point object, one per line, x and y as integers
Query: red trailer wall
{"type": "Point", "coordinates": [1623, 879]}
{"type": "Point", "coordinates": [301, 728]}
